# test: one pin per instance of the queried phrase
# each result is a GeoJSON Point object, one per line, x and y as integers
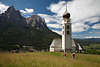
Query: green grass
{"type": "Point", "coordinates": [47, 59]}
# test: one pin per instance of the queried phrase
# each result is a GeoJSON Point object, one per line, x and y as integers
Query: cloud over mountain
{"type": "Point", "coordinates": [27, 11]}
{"type": "Point", "coordinates": [3, 7]}
{"type": "Point", "coordinates": [83, 14]}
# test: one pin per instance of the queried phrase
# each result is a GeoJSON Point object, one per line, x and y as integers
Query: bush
{"type": "Point", "coordinates": [92, 51]}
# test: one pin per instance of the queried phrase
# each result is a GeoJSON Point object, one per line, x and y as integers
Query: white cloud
{"type": "Point", "coordinates": [81, 11]}
{"type": "Point", "coordinates": [51, 18]}
{"type": "Point", "coordinates": [27, 11]}
{"type": "Point", "coordinates": [48, 18]}
{"type": "Point", "coordinates": [92, 37]}
{"type": "Point", "coordinates": [79, 27]}
{"type": "Point", "coordinates": [93, 20]}
{"type": "Point", "coordinates": [54, 25]}
{"type": "Point", "coordinates": [3, 7]}
{"type": "Point", "coordinates": [57, 8]}
{"type": "Point", "coordinates": [96, 26]}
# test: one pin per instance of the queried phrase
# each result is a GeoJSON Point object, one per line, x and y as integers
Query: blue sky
{"type": "Point", "coordinates": [38, 5]}
{"type": "Point", "coordinates": [85, 14]}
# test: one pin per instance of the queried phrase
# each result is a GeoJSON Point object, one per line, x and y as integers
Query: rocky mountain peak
{"type": "Point", "coordinates": [11, 8]}
{"type": "Point", "coordinates": [17, 30]}
{"type": "Point", "coordinates": [13, 16]}
{"type": "Point", "coordinates": [37, 22]}
{"type": "Point", "coordinates": [11, 11]}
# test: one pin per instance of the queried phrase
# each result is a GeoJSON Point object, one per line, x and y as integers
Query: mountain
{"type": "Point", "coordinates": [96, 40]}
{"type": "Point", "coordinates": [37, 22]}
{"type": "Point", "coordinates": [12, 16]}
{"type": "Point", "coordinates": [17, 31]}
{"type": "Point", "coordinates": [88, 41]}
{"type": "Point", "coordinates": [91, 40]}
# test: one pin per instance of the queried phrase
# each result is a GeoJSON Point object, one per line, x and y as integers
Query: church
{"type": "Point", "coordinates": [66, 43]}
{"type": "Point", "coordinates": [56, 46]}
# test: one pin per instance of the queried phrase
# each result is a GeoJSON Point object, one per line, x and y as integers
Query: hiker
{"type": "Point", "coordinates": [73, 55]}
{"type": "Point", "coordinates": [64, 54]}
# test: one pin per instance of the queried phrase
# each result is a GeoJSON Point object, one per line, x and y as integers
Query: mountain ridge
{"type": "Point", "coordinates": [15, 30]}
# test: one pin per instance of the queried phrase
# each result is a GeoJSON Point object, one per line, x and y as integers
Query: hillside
{"type": "Point", "coordinates": [90, 45]}
{"type": "Point", "coordinates": [88, 41]}
{"type": "Point", "coordinates": [17, 31]}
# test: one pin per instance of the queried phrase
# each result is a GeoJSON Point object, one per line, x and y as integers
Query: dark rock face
{"type": "Point", "coordinates": [13, 16]}
{"type": "Point", "coordinates": [37, 22]}
{"type": "Point", "coordinates": [17, 31]}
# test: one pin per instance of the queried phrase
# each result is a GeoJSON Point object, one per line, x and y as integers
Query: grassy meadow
{"type": "Point", "coordinates": [47, 59]}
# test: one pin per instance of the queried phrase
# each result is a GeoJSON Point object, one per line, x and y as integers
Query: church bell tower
{"type": "Point", "coordinates": [66, 33]}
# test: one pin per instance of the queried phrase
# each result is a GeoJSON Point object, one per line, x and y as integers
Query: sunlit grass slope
{"type": "Point", "coordinates": [47, 59]}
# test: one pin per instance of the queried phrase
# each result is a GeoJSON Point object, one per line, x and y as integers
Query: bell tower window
{"type": "Point", "coordinates": [67, 32]}
{"type": "Point", "coordinates": [67, 26]}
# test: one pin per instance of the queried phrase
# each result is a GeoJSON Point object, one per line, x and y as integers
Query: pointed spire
{"type": "Point", "coordinates": [66, 6]}
{"type": "Point", "coordinates": [66, 15]}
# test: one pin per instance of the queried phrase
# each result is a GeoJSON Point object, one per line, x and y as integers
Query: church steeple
{"type": "Point", "coordinates": [66, 15]}
{"type": "Point", "coordinates": [66, 32]}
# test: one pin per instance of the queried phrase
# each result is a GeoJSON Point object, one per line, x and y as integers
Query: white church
{"type": "Point", "coordinates": [56, 46]}
{"type": "Point", "coordinates": [65, 44]}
